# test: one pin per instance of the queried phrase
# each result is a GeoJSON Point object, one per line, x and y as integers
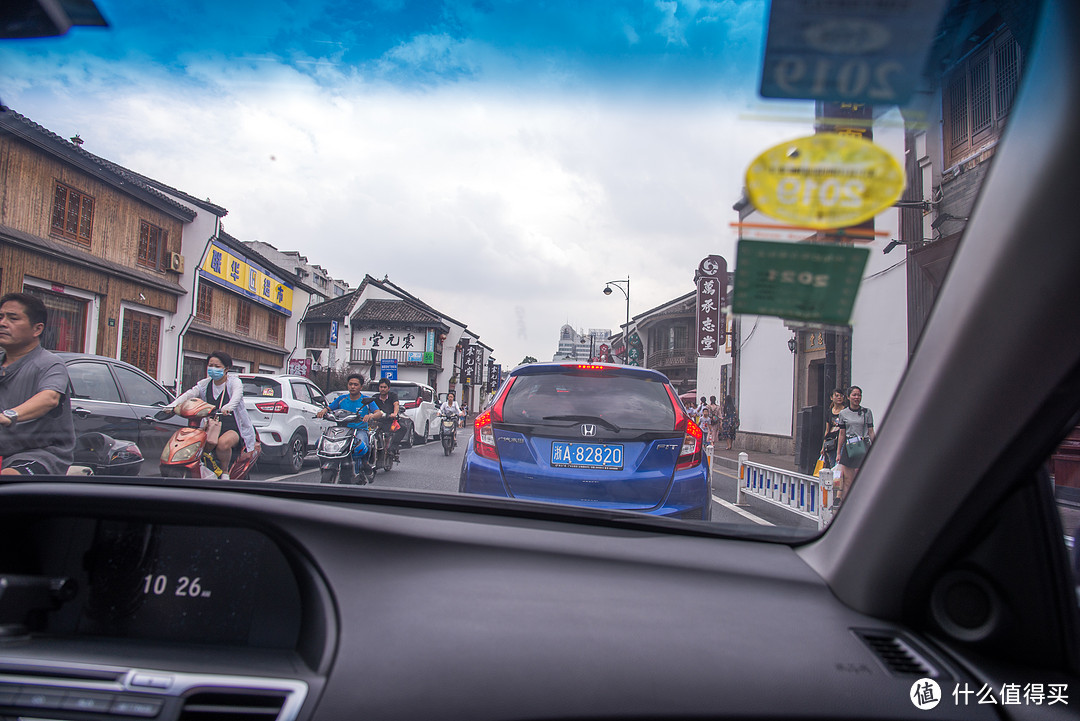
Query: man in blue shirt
{"type": "Point", "coordinates": [356, 402]}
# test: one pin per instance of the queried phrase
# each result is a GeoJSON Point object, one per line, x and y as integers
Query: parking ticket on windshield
{"type": "Point", "coordinates": [871, 52]}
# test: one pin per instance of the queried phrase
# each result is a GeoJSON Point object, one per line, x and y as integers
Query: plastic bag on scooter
{"type": "Point", "coordinates": [206, 472]}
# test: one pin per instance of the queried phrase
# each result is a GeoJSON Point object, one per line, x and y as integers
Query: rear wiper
{"type": "Point", "coordinates": [585, 419]}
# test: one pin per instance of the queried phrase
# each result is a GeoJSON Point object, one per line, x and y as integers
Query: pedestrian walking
{"type": "Point", "coordinates": [856, 434]}
{"type": "Point", "coordinates": [713, 414]}
{"type": "Point", "coordinates": [699, 412]}
{"type": "Point", "coordinates": [729, 421]}
{"type": "Point", "coordinates": [837, 403]}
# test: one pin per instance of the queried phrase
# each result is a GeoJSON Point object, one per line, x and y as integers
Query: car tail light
{"type": "Point", "coordinates": [275, 407]}
{"type": "Point", "coordinates": [690, 455]}
{"type": "Point", "coordinates": [484, 430]}
{"type": "Point", "coordinates": [484, 437]}
{"type": "Point", "coordinates": [589, 367]}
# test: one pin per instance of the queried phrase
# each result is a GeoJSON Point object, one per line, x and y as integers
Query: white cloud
{"type": "Point", "coordinates": [506, 211]}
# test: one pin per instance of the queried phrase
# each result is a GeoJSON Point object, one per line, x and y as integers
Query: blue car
{"type": "Point", "coordinates": [594, 435]}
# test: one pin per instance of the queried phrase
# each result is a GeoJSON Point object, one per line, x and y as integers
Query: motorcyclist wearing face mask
{"type": "Point", "coordinates": [226, 392]}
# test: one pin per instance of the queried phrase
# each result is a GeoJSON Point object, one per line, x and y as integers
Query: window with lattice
{"type": "Point", "coordinates": [205, 304]}
{"type": "Point", "coordinates": [977, 96]}
{"type": "Point", "coordinates": [72, 214]}
{"type": "Point", "coordinates": [243, 318]}
{"type": "Point", "coordinates": [152, 245]}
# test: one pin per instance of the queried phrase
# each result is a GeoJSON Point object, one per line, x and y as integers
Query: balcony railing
{"type": "Point", "coordinates": [671, 358]}
{"type": "Point", "coordinates": [362, 356]}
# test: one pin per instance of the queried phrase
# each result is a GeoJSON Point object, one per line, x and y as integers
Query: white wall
{"type": "Point", "coordinates": [708, 375]}
{"type": "Point", "coordinates": [767, 376]}
{"type": "Point", "coordinates": [879, 319]}
{"type": "Point", "coordinates": [193, 245]}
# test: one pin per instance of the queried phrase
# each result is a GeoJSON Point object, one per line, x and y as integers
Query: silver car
{"type": "Point", "coordinates": [283, 407]}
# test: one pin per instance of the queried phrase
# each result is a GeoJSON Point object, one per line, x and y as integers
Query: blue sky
{"type": "Point", "coordinates": [500, 159]}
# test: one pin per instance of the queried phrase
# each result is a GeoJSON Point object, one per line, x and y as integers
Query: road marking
{"type": "Point", "coordinates": [741, 512]}
{"type": "Point", "coordinates": [733, 507]}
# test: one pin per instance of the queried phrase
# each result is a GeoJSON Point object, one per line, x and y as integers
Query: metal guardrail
{"type": "Point", "coordinates": [807, 496]}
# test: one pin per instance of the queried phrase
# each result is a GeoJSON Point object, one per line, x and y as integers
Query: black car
{"type": "Point", "coordinates": [115, 398]}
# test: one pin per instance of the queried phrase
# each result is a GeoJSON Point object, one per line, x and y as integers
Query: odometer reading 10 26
{"type": "Point", "coordinates": [184, 586]}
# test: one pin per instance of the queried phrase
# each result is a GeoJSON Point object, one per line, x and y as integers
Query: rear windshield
{"type": "Point", "coordinates": [262, 387]}
{"type": "Point", "coordinates": [556, 399]}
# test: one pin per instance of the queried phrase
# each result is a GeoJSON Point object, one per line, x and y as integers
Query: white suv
{"type": "Point", "coordinates": [283, 407]}
{"type": "Point", "coordinates": [417, 402]}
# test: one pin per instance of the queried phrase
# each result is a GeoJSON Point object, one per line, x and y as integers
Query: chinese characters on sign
{"type": "Point", "coordinates": [926, 694]}
{"type": "Point", "coordinates": [235, 273]}
{"type": "Point", "coordinates": [394, 340]}
{"type": "Point", "coordinates": [711, 281]}
{"type": "Point", "coordinates": [471, 363]}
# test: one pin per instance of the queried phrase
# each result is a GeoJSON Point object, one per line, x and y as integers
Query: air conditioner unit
{"type": "Point", "coordinates": [176, 262]}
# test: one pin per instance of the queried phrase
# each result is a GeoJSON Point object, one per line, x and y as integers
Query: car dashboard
{"type": "Point", "coordinates": [139, 600]}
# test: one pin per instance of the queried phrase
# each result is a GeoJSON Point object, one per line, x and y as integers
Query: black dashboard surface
{"type": "Point", "coordinates": [416, 610]}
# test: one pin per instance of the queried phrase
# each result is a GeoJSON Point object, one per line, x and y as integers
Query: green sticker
{"type": "Point", "coordinates": [797, 281]}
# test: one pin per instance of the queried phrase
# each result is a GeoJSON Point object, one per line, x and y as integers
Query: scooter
{"type": "Point", "coordinates": [380, 441]}
{"type": "Point", "coordinates": [187, 455]}
{"type": "Point", "coordinates": [339, 454]}
{"type": "Point", "coordinates": [107, 456]}
{"type": "Point", "coordinates": [448, 432]}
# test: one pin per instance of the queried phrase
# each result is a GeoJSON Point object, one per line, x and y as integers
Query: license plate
{"type": "Point", "coordinates": [587, 455]}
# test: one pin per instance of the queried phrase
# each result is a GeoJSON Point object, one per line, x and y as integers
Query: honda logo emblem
{"type": "Point", "coordinates": [588, 429]}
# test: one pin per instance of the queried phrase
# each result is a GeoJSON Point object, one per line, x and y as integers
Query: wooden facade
{"type": "Point", "coordinates": [100, 270]}
{"type": "Point", "coordinates": [28, 180]}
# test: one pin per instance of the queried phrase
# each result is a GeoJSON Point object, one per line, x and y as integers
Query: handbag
{"type": "Point", "coordinates": [213, 426]}
{"type": "Point", "coordinates": [820, 464]}
{"type": "Point", "coordinates": [213, 432]}
{"type": "Point", "coordinates": [395, 426]}
{"type": "Point", "coordinates": [856, 447]}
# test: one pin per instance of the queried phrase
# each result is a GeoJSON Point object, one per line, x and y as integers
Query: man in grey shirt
{"type": "Point", "coordinates": [37, 434]}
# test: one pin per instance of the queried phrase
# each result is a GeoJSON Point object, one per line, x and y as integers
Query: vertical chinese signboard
{"type": "Point", "coordinates": [711, 279]}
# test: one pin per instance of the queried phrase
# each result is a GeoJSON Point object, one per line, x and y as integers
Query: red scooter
{"type": "Point", "coordinates": [187, 454]}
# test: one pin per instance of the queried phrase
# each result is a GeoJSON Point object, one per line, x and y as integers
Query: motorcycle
{"type": "Point", "coordinates": [106, 456]}
{"type": "Point", "coordinates": [186, 455]}
{"type": "Point", "coordinates": [448, 423]}
{"type": "Point", "coordinates": [339, 454]}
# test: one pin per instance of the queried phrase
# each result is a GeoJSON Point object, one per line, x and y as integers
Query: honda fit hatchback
{"type": "Point", "coordinates": [595, 435]}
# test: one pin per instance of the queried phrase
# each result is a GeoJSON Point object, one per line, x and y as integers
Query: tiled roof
{"type": "Point", "coordinates": [398, 312]}
{"type": "Point", "coordinates": [332, 309]}
{"type": "Point", "coordinates": [105, 170]}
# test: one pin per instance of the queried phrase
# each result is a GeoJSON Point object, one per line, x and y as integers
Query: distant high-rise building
{"type": "Point", "coordinates": [580, 345]}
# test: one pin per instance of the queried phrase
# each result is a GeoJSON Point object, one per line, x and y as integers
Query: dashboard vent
{"type": "Point", "coordinates": [233, 705]}
{"type": "Point", "coordinates": [897, 655]}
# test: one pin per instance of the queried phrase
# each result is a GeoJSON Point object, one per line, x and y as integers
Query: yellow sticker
{"type": "Point", "coordinates": [824, 181]}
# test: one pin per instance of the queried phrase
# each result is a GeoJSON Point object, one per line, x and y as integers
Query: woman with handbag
{"type": "Point", "coordinates": [227, 393]}
{"type": "Point", "coordinates": [856, 434]}
{"type": "Point", "coordinates": [830, 442]}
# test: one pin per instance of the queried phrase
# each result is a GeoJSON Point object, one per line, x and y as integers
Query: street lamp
{"type": "Point", "coordinates": [592, 340]}
{"type": "Point", "coordinates": [626, 333]}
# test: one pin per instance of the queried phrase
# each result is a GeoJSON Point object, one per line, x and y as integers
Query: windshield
{"type": "Point", "coordinates": [758, 201]}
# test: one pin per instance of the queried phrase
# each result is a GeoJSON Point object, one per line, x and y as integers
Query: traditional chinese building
{"type": "Point", "coordinates": [98, 243]}
{"type": "Point", "coordinates": [667, 338]}
{"type": "Point", "coordinates": [243, 306]}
